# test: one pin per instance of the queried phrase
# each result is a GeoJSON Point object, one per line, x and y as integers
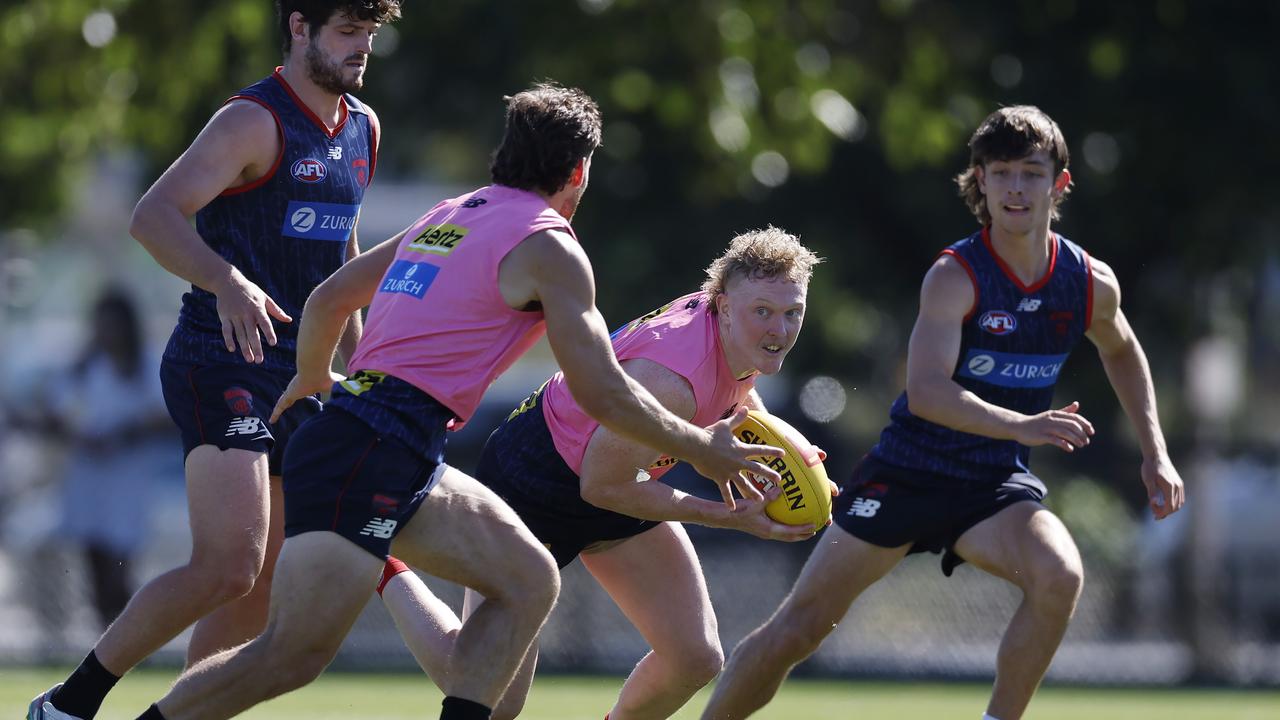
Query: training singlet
{"type": "Point", "coordinates": [682, 336]}
{"type": "Point", "coordinates": [1013, 344]}
{"type": "Point", "coordinates": [438, 320]}
{"type": "Point", "coordinates": [288, 230]}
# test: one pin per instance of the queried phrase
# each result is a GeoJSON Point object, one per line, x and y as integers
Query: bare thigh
{"type": "Point", "coordinates": [465, 533]}
{"type": "Point", "coordinates": [656, 581]}
{"type": "Point", "coordinates": [229, 501]}
{"type": "Point", "coordinates": [1019, 543]}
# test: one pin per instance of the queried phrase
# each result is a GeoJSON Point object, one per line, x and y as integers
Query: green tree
{"type": "Point", "coordinates": [86, 77]}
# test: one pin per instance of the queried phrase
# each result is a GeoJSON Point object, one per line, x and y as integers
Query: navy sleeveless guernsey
{"type": "Point", "coordinates": [1013, 344]}
{"type": "Point", "coordinates": [287, 231]}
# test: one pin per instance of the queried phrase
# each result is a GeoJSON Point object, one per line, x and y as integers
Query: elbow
{"type": "Point", "coordinates": [918, 401]}
{"type": "Point", "coordinates": [139, 221]}
{"type": "Point", "coordinates": [326, 301]}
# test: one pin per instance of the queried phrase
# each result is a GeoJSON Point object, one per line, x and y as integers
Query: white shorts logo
{"type": "Point", "coordinates": [864, 507]}
{"type": "Point", "coordinates": [244, 426]}
{"type": "Point", "coordinates": [380, 528]}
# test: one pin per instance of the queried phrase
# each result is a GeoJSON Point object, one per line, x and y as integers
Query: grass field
{"type": "Point", "coordinates": [397, 697]}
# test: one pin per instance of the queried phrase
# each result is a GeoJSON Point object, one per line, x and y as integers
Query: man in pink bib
{"type": "Point", "coordinates": [586, 491]}
{"type": "Point", "coordinates": [453, 301]}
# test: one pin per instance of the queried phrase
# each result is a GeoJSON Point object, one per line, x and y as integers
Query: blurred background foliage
{"type": "Point", "coordinates": [842, 121]}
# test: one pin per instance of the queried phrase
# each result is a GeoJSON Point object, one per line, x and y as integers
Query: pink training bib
{"type": "Point", "coordinates": [682, 336]}
{"type": "Point", "coordinates": [438, 320]}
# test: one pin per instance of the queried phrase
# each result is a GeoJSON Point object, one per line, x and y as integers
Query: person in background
{"type": "Point", "coordinates": [109, 411]}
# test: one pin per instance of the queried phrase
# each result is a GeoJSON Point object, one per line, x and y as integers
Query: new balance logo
{"type": "Point", "coordinates": [244, 426]}
{"type": "Point", "coordinates": [864, 507]}
{"type": "Point", "coordinates": [380, 528]}
{"type": "Point", "coordinates": [1028, 305]}
{"type": "Point", "coordinates": [335, 152]}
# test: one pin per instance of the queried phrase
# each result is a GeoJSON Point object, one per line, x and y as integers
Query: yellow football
{"type": "Point", "coordinates": [806, 491]}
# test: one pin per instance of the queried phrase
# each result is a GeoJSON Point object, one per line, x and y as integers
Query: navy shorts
{"type": "Point", "coordinates": [890, 506]}
{"type": "Point", "coordinates": [521, 464]}
{"type": "Point", "coordinates": [342, 476]}
{"type": "Point", "coordinates": [228, 406]}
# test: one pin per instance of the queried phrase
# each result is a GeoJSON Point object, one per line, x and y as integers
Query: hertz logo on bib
{"type": "Point", "coordinates": [438, 239]}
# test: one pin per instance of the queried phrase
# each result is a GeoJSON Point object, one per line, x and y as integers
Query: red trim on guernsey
{"type": "Point", "coordinates": [1008, 271]}
{"type": "Point", "coordinates": [346, 485]}
{"type": "Point", "coordinates": [280, 156]}
{"type": "Point", "coordinates": [342, 105]}
{"type": "Point", "coordinates": [1088, 293]}
{"type": "Point", "coordinates": [973, 278]}
{"type": "Point", "coordinates": [374, 129]}
{"type": "Point", "coordinates": [195, 399]}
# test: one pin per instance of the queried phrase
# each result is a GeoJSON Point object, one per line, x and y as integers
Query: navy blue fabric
{"type": "Point", "coordinates": [287, 232]}
{"type": "Point", "coordinates": [891, 506]}
{"type": "Point", "coordinates": [521, 464]}
{"type": "Point", "coordinates": [228, 406]}
{"type": "Point", "coordinates": [1012, 350]}
{"type": "Point", "coordinates": [395, 409]}
{"type": "Point", "coordinates": [343, 476]}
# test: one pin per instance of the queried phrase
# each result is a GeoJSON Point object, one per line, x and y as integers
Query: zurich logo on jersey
{"type": "Point", "coordinates": [998, 322]}
{"type": "Point", "coordinates": [1011, 370]}
{"type": "Point", "coordinates": [319, 221]}
{"type": "Point", "coordinates": [303, 219]}
{"type": "Point", "coordinates": [309, 170]}
{"type": "Point", "coordinates": [408, 278]}
{"type": "Point", "coordinates": [980, 365]}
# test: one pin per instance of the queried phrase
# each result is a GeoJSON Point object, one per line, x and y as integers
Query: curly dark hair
{"type": "Point", "coordinates": [1011, 133]}
{"type": "Point", "coordinates": [318, 12]}
{"type": "Point", "coordinates": [549, 129]}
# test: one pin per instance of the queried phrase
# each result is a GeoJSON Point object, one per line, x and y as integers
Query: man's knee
{"type": "Point", "coordinates": [293, 663]}
{"type": "Point", "coordinates": [535, 580]}
{"type": "Point", "coordinates": [795, 632]}
{"type": "Point", "coordinates": [1057, 582]}
{"type": "Point", "coordinates": [303, 668]}
{"type": "Point", "coordinates": [226, 579]}
{"type": "Point", "coordinates": [292, 670]}
{"type": "Point", "coordinates": [701, 663]}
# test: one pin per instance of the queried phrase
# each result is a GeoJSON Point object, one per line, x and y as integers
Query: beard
{"type": "Point", "coordinates": [569, 207]}
{"type": "Point", "coordinates": [329, 76]}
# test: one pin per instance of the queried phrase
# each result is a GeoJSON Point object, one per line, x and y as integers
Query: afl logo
{"type": "Point", "coordinates": [998, 322]}
{"type": "Point", "coordinates": [309, 170]}
{"type": "Point", "coordinates": [303, 219]}
{"type": "Point", "coordinates": [980, 365]}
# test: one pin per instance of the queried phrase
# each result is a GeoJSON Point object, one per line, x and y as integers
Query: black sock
{"type": "Point", "coordinates": [82, 694]}
{"type": "Point", "coordinates": [152, 713]}
{"type": "Point", "coordinates": [455, 708]}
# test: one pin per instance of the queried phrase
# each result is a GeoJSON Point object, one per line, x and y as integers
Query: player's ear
{"type": "Point", "coordinates": [298, 26]}
{"type": "Point", "coordinates": [579, 174]}
{"type": "Point", "coordinates": [1064, 180]}
{"type": "Point", "coordinates": [981, 178]}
